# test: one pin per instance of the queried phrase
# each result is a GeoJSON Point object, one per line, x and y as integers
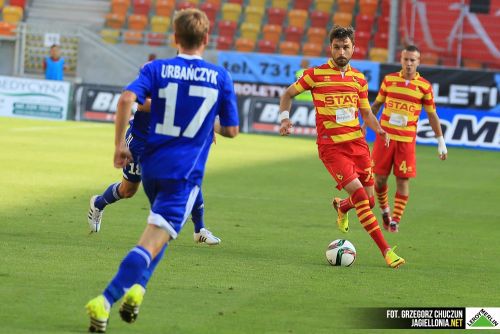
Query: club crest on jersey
{"type": "Point", "coordinates": [339, 176]}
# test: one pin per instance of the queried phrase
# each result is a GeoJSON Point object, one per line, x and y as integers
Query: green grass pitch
{"type": "Point", "coordinates": [268, 198]}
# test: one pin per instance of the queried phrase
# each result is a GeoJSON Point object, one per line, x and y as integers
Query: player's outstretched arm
{"type": "Point", "coordinates": [122, 155]}
{"type": "Point", "coordinates": [372, 122]}
{"type": "Point", "coordinates": [436, 127]}
{"type": "Point", "coordinates": [285, 105]}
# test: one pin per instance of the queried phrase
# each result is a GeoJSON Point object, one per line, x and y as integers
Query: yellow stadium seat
{"type": "Point", "coordinates": [160, 23]}
{"type": "Point", "coordinates": [368, 7]}
{"type": "Point", "coordinates": [378, 55]}
{"type": "Point", "coordinates": [164, 7]}
{"type": "Point", "coordinates": [137, 22]}
{"type": "Point", "coordinates": [110, 35]}
{"type": "Point", "coordinates": [297, 18]}
{"type": "Point", "coordinates": [245, 45]}
{"type": "Point", "coordinates": [316, 35]}
{"type": "Point", "coordinates": [231, 12]}
{"type": "Point", "coordinates": [120, 6]}
{"type": "Point", "coordinates": [312, 49]}
{"type": "Point", "coordinates": [133, 37]}
{"type": "Point", "coordinates": [280, 4]}
{"type": "Point", "coordinates": [258, 3]}
{"type": "Point", "coordinates": [342, 19]}
{"type": "Point", "coordinates": [254, 14]}
{"type": "Point", "coordinates": [289, 48]}
{"type": "Point", "coordinates": [346, 6]}
{"type": "Point", "coordinates": [324, 6]}
{"type": "Point", "coordinates": [1, 3]}
{"type": "Point", "coordinates": [250, 31]}
{"type": "Point", "coordinates": [272, 32]}
{"type": "Point", "coordinates": [115, 21]}
{"type": "Point", "coordinates": [12, 14]}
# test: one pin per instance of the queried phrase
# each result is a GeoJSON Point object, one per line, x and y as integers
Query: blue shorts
{"type": "Point", "coordinates": [171, 203]}
{"type": "Point", "coordinates": [132, 172]}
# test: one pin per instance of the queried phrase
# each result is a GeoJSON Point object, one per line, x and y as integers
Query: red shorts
{"type": "Point", "coordinates": [347, 162]}
{"type": "Point", "coordinates": [399, 154]}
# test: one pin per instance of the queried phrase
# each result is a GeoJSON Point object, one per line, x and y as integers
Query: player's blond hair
{"type": "Point", "coordinates": [191, 27]}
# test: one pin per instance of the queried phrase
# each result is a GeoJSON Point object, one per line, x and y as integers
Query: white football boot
{"type": "Point", "coordinates": [94, 216]}
{"type": "Point", "coordinates": [205, 236]}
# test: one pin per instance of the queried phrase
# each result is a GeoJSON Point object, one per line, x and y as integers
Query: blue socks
{"type": "Point", "coordinates": [130, 271]}
{"type": "Point", "coordinates": [197, 213]}
{"type": "Point", "coordinates": [109, 196]}
{"type": "Point", "coordinates": [146, 275]}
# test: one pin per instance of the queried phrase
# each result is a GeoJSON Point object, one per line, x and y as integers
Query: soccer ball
{"type": "Point", "coordinates": [341, 252]}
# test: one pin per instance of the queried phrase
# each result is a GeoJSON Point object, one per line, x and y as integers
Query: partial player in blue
{"type": "Point", "coordinates": [187, 93]}
{"type": "Point", "coordinates": [135, 139]}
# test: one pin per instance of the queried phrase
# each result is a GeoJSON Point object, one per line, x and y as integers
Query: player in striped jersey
{"type": "Point", "coordinates": [403, 94]}
{"type": "Point", "coordinates": [339, 92]}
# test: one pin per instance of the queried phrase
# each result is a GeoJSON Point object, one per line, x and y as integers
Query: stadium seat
{"type": "Point", "coordinates": [364, 23]}
{"type": "Point", "coordinates": [185, 5]}
{"type": "Point", "coordinates": [211, 10]}
{"type": "Point", "coordinates": [297, 18]}
{"type": "Point", "coordinates": [429, 58]}
{"type": "Point", "coordinates": [216, 3]}
{"type": "Point", "coordinates": [18, 3]}
{"type": "Point", "coordinates": [325, 6]}
{"type": "Point", "coordinates": [137, 22]}
{"type": "Point", "coordinates": [160, 24]}
{"type": "Point", "coordinates": [164, 8]}
{"type": "Point", "coordinates": [111, 36]}
{"type": "Point", "coordinates": [245, 45]}
{"type": "Point", "coordinates": [312, 49]}
{"type": "Point", "coordinates": [120, 6]}
{"type": "Point", "coordinates": [7, 29]}
{"type": "Point", "coordinates": [368, 7]}
{"type": "Point", "coordinates": [2, 3]}
{"type": "Point", "coordinates": [231, 12]}
{"type": "Point", "coordinates": [319, 19]}
{"type": "Point", "coordinates": [227, 28]}
{"type": "Point", "coordinates": [302, 4]}
{"type": "Point", "coordinates": [472, 64]}
{"type": "Point", "coordinates": [141, 7]}
{"type": "Point", "coordinates": [342, 19]}
{"type": "Point", "coordinates": [250, 31]}
{"type": "Point", "coordinates": [224, 43]}
{"type": "Point", "coordinates": [378, 55]}
{"type": "Point", "coordinates": [346, 6]}
{"type": "Point", "coordinates": [266, 46]}
{"type": "Point", "coordinates": [289, 48]}
{"type": "Point", "coordinates": [12, 14]}
{"type": "Point", "coordinates": [254, 14]}
{"type": "Point", "coordinates": [383, 25]}
{"type": "Point", "coordinates": [362, 39]}
{"type": "Point", "coordinates": [115, 21]}
{"type": "Point", "coordinates": [317, 35]}
{"type": "Point", "coordinates": [276, 16]}
{"type": "Point", "coordinates": [272, 32]}
{"type": "Point", "coordinates": [257, 3]}
{"type": "Point", "coordinates": [279, 4]}
{"type": "Point", "coordinates": [156, 39]}
{"type": "Point", "coordinates": [133, 37]}
{"type": "Point", "coordinates": [360, 52]}
{"type": "Point", "coordinates": [294, 34]}
{"type": "Point", "coordinates": [381, 40]}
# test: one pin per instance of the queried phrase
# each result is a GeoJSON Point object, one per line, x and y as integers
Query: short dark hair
{"type": "Point", "coordinates": [342, 33]}
{"type": "Point", "coordinates": [411, 48]}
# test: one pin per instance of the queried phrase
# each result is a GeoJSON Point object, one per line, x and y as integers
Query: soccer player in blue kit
{"type": "Point", "coordinates": [135, 139]}
{"type": "Point", "coordinates": [187, 93]}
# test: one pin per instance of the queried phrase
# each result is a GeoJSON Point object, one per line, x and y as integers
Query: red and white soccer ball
{"type": "Point", "coordinates": [341, 252]}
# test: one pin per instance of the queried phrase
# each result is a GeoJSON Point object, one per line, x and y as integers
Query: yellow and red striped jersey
{"type": "Point", "coordinates": [337, 97]}
{"type": "Point", "coordinates": [403, 104]}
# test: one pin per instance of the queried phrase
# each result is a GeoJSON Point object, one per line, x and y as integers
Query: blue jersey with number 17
{"type": "Point", "coordinates": [187, 93]}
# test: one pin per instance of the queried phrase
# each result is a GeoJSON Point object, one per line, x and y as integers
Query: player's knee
{"type": "Point", "coordinates": [371, 200]}
{"type": "Point", "coordinates": [127, 192]}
